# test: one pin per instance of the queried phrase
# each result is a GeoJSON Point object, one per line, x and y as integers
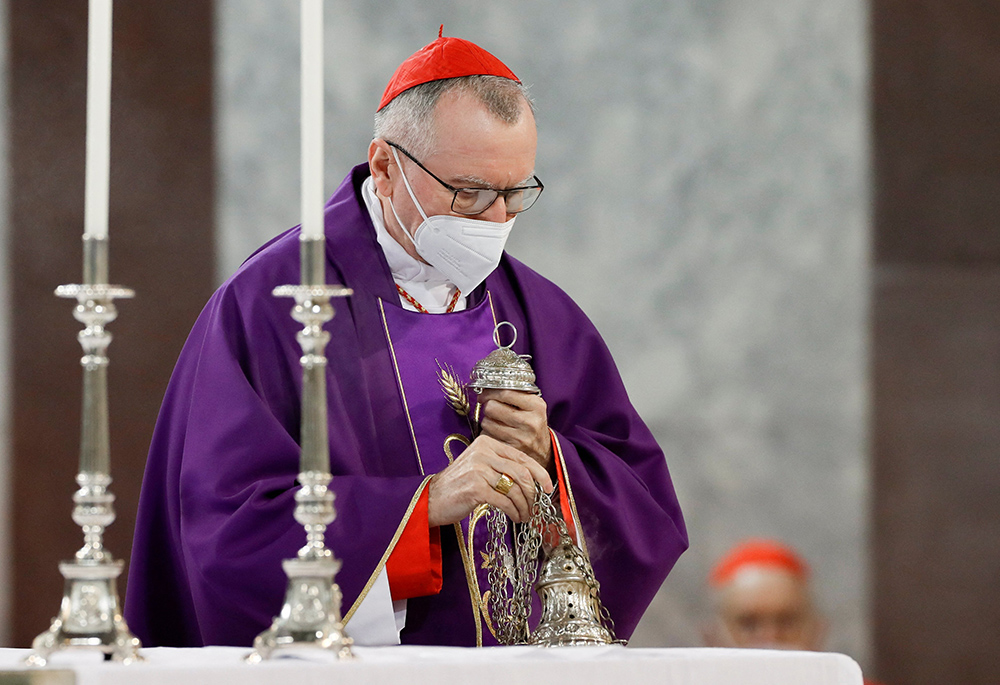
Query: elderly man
{"type": "Point", "coordinates": [418, 233]}
{"type": "Point", "coordinates": [761, 598]}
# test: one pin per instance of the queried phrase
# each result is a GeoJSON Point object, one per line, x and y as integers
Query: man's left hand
{"type": "Point", "coordinates": [519, 420]}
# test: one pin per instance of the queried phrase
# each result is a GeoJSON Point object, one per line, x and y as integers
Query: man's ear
{"type": "Point", "coordinates": [379, 162]}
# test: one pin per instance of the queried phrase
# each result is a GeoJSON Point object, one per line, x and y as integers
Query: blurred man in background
{"type": "Point", "coordinates": [761, 599]}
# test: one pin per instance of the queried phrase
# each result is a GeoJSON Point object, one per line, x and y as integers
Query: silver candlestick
{"type": "Point", "coordinates": [90, 615]}
{"type": "Point", "coordinates": [310, 617]}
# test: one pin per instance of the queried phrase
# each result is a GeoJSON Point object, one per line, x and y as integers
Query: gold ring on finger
{"type": "Point", "coordinates": [504, 484]}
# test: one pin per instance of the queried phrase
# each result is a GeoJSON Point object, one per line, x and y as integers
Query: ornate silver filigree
{"type": "Point", "coordinates": [504, 369]}
{"type": "Point", "coordinates": [571, 608]}
{"type": "Point", "coordinates": [572, 613]}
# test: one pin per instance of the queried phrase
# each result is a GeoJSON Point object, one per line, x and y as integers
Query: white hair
{"type": "Point", "coordinates": [408, 119]}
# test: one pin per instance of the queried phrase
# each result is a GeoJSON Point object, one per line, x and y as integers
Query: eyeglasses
{"type": "Point", "coordinates": [471, 201]}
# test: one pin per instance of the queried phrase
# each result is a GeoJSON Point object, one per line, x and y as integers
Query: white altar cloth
{"type": "Point", "coordinates": [612, 665]}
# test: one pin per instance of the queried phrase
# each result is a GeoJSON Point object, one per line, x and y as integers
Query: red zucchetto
{"type": "Point", "coordinates": [757, 552]}
{"type": "Point", "coordinates": [446, 57]}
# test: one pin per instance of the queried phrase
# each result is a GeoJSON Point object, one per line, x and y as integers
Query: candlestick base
{"type": "Point", "coordinates": [89, 617]}
{"type": "Point", "coordinates": [310, 617]}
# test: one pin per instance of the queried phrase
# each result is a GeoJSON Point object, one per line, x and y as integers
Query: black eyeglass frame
{"type": "Point", "coordinates": [455, 191]}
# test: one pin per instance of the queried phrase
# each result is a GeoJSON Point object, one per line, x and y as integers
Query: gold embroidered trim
{"type": "Point", "coordinates": [388, 551]}
{"type": "Point", "coordinates": [468, 556]}
{"type": "Point", "coordinates": [581, 538]}
{"type": "Point", "coordinates": [399, 381]}
{"type": "Point", "coordinates": [489, 298]}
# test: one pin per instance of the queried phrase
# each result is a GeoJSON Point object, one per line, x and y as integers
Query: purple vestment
{"type": "Point", "coordinates": [215, 514]}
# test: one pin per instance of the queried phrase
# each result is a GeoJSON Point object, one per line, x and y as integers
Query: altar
{"type": "Point", "coordinates": [436, 665]}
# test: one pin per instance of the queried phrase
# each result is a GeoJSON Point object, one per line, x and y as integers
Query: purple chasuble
{"type": "Point", "coordinates": [215, 512]}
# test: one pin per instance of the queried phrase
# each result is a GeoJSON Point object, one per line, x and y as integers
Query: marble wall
{"type": "Point", "coordinates": [706, 171]}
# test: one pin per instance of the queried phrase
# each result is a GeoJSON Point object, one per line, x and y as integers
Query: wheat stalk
{"type": "Point", "coordinates": [456, 394]}
{"type": "Point", "coordinates": [453, 389]}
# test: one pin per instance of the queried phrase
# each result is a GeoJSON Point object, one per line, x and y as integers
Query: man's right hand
{"type": "Point", "coordinates": [469, 481]}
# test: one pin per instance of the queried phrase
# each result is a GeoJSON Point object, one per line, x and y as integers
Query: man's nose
{"type": "Point", "coordinates": [497, 211]}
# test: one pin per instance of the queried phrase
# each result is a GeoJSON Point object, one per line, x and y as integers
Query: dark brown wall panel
{"type": "Point", "coordinates": [937, 476]}
{"type": "Point", "coordinates": [936, 341]}
{"type": "Point", "coordinates": [161, 227]}
{"type": "Point", "coordinates": [936, 80]}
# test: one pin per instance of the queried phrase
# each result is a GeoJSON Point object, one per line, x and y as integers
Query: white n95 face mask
{"type": "Point", "coordinates": [465, 250]}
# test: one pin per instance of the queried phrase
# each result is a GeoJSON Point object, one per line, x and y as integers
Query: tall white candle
{"type": "Point", "coordinates": [95, 208]}
{"type": "Point", "coordinates": [312, 119]}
